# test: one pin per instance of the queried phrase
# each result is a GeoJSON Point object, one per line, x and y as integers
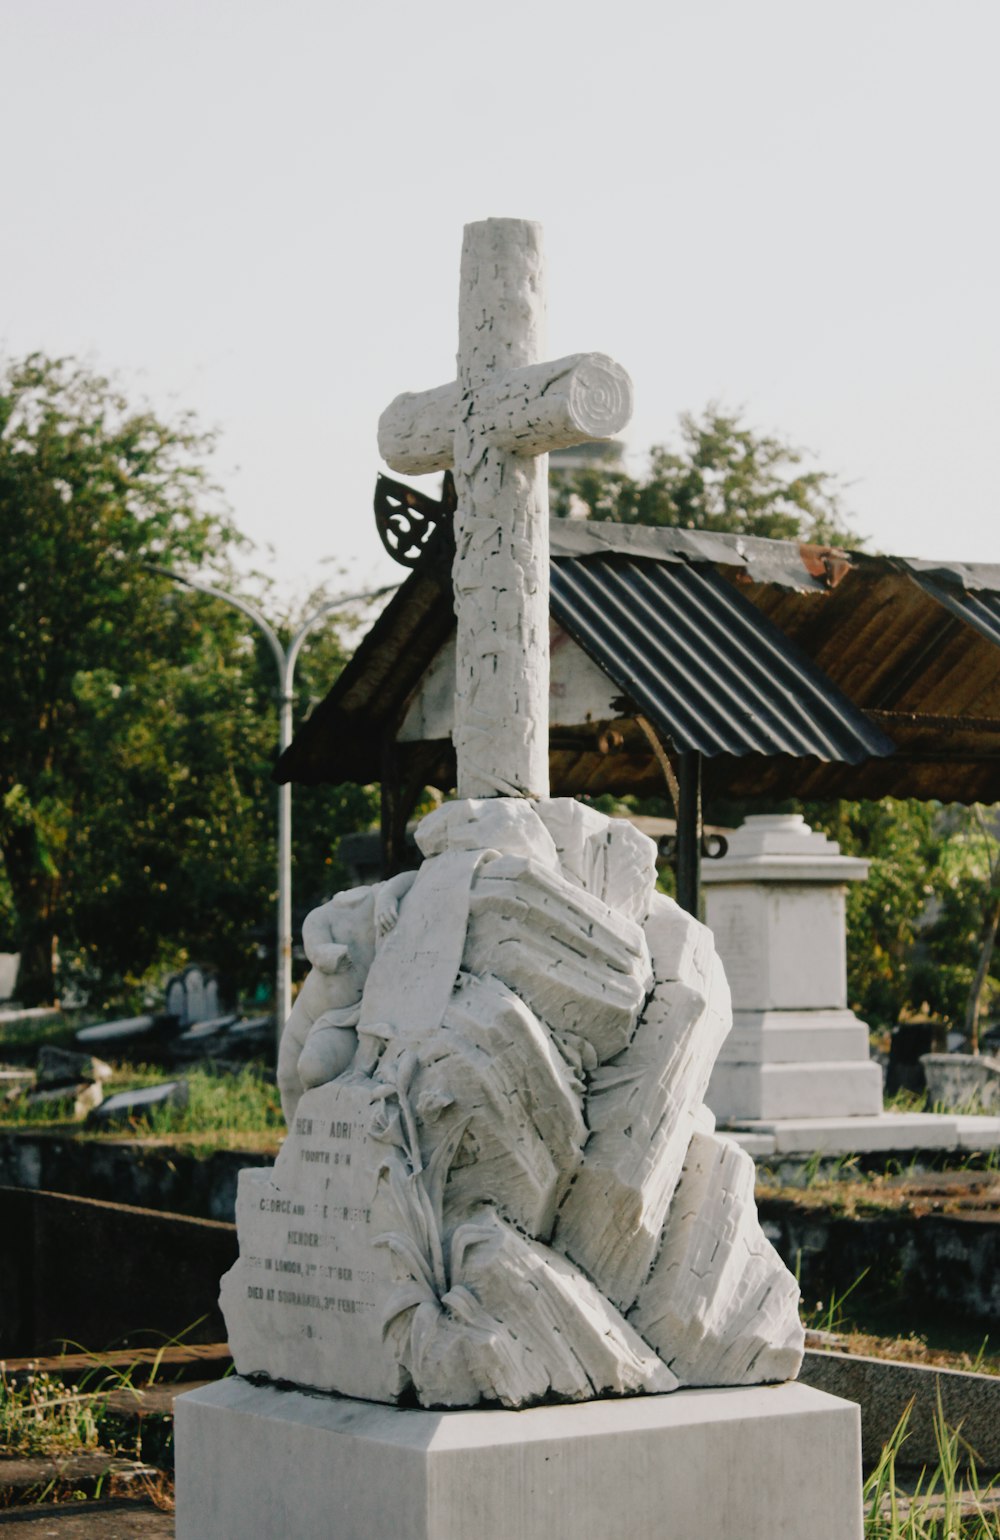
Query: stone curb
{"type": "Point", "coordinates": [884, 1388]}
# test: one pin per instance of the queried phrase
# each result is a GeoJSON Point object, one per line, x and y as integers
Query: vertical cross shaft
{"type": "Point", "coordinates": [501, 569]}
{"type": "Point", "coordinates": [495, 425]}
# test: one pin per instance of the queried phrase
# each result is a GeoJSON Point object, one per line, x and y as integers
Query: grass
{"type": "Point", "coordinates": [865, 1324]}
{"type": "Point", "coordinates": [828, 1315]}
{"type": "Point", "coordinates": [238, 1109]}
{"type": "Point", "coordinates": [947, 1502]}
{"type": "Point", "coordinates": [102, 1414]}
{"type": "Point", "coordinates": [914, 1349]}
{"type": "Point", "coordinates": [957, 1347]}
{"type": "Point", "coordinates": [19, 1036]}
{"type": "Point", "coordinates": [39, 1415]}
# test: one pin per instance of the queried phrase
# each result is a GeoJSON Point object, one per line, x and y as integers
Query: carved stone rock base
{"type": "Point", "coordinates": [510, 1192]}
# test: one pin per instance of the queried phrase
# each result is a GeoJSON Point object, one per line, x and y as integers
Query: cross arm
{"type": "Point", "coordinates": [528, 411]}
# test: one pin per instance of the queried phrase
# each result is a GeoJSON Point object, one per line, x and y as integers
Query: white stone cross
{"type": "Point", "coordinates": [495, 425]}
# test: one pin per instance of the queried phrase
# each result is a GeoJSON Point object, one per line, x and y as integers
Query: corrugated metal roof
{"type": "Point", "coordinates": [980, 576]}
{"type": "Point", "coordinates": [924, 671]}
{"type": "Point", "coordinates": [981, 610]}
{"type": "Point", "coordinates": [703, 664]}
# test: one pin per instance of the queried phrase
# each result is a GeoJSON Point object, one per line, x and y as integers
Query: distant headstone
{"type": "Point", "coordinates": [14, 1082]}
{"type": "Point", "coordinates": [80, 1099]}
{"type": "Point", "coordinates": [115, 1035]}
{"type": "Point", "coordinates": [963, 1082]}
{"type": "Point", "coordinates": [136, 1104]}
{"type": "Point", "coordinates": [230, 1037]}
{"type": "Point", "coordinates": [9, 962]}
{"type": "Point", "coordinates": [193, 996]}
{"type": "Point", "coordinates": [60, 1066]}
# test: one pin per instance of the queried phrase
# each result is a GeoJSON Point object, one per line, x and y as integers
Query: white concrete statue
{"type": "Point", "coordinates": [500, 1184]}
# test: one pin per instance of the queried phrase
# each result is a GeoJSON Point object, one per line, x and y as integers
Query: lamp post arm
{"type": "Point", "coordinates": [291, 656]}
{"type": "Point", "coordinates": [285, 660]}
{"type": "Point", "coordinates": [278, 652]}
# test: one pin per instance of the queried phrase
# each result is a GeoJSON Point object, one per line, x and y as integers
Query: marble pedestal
{"type": "Point", "coordinates": [776, 906]}
{"type": "Point", "coordinates": [257, 1463]}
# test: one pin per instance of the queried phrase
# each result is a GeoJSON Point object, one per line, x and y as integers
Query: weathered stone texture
{"type": "Point", "coordinates": [720, 1307]}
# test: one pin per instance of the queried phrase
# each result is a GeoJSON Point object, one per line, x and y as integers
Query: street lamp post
{"type": "Point", "coordinates": [286, 659]}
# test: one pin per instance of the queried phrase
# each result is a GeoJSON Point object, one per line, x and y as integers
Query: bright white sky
{"type": "Point", "coordinates": [254, 208]}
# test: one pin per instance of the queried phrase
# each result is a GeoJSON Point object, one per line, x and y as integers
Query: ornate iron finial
{"type": "Point", "coordinates": [407, 520]}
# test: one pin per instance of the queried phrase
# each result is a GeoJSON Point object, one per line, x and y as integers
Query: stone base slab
{"type": "Point", "coordinates": [760, 1091]}
{"type": "Point", "coordinates": [895, 1131]}
{"type": "Point", "coordinates": [258, 1463]}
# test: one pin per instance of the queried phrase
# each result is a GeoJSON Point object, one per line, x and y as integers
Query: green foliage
{"type": "Point", "coordinates": [724, 477]}
{"type": "Point", "coordinates": [137, 813]}
{"type": "Point", "coordinates": [947, 1502]}
{"type": "Point", "coordinates": [231, 1104]}
{"type": "Point", "coordinates": [915, 927]}
{"type": "Point", "coordinates": [39, 1415]}
{"type": "Point", "coordinates": [900, 840]}
{"type": "Point", "coordinates": [956, 960]}
{"type": "Point", "coordinates": [89, 493]}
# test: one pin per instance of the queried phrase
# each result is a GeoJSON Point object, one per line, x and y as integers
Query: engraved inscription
{"type": "Point", "coordinates": [322, 1317]}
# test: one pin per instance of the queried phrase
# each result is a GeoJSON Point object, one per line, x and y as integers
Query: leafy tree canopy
{"type": "Point", "coordinates": [723, 477]}
{"type": "Point", "coordinates": [139, 726]}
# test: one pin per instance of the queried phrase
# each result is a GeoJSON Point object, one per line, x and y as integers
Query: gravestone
{"type": "Point", "coordinates": [193, 996]}
{"type": "Point", "coordinates": [126, 1105]}
{"type": "Point", "coordinates": [191, 1002]}
{"type": "Point", "coordinates": [9, 963]}
{"type": "Point", "coordinates": [501, 1188]}
{"type": "Point", "coordinates": [775, 903]}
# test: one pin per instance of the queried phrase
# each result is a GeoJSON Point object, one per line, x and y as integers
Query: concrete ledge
{"type": "Point", "coordinates": [257, 1463]}
{"type": "Point", "coordinates": [890, 1131]}
{"type": "Point", "coordinates": [884, 1388]}
{"type": "Point", "coordinates": [81, 1271]}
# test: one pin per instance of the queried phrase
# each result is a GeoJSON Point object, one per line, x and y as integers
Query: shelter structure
{"type": "Point", "coordinates": [743, 668]}
{"type": "Point", "coordinates": [747, 668]}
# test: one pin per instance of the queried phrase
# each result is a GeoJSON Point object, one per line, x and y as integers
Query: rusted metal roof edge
{"type": "Point", "coordinates": [788, 563]}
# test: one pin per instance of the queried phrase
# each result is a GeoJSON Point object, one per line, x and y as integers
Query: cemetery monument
{"type": "Point", "coordinates": [501, 1188]}
{"type": "Point", "coordinates": [776, 906]}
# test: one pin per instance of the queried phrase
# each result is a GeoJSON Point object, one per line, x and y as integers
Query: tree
{"type": "Point", "coordinates": [902, 841]}
{"type": "Point", "coordinates": [89, 492]}
{"type": "Point", "coordinates": [139, 727]}
{"type": "Point", "coordinates": [187, 768]}
{"type": "Point", "coordinates": [954, 972]}
{"type": "Point", "coordinates": [725, 477]}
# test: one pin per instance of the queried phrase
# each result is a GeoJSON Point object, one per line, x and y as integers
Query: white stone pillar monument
{"type": "Point", "coordinates": [776, 904]}
{"type": "Point", "coordinates": [494, 425]}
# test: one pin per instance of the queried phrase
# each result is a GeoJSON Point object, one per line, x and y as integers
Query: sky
{"type": "Point", "coordinates": [253, 209]}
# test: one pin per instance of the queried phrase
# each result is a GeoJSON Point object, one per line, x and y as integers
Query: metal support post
{"type": "Point", "coordinates": [689, 831]}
